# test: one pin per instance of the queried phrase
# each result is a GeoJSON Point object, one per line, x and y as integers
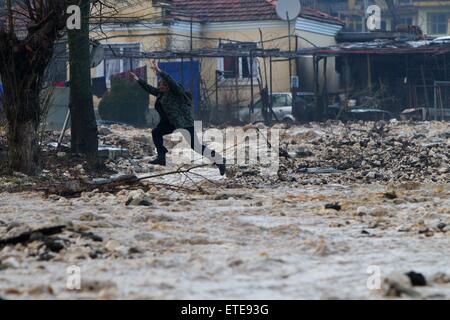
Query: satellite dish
{"type": "Point", "coordinates": [97, 54]}
{"type": "Point", "coordinates": [288, 9]}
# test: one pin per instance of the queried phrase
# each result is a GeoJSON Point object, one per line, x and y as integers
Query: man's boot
{"type": "Point", "coordinates": [221, 163]}
{"type": "Point", "coordinates": [222, 167]}
{"type": "Point", "coordinates": [160, 160]}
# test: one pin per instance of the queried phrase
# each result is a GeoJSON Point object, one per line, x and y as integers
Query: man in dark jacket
{"type": "Point", "coordinates": [173, 105]}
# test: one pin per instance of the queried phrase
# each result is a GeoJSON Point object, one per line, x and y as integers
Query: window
{"type": "Point", "coordinates": [118, 59]}
{"type": "Point", "coordinates": [238, 67]}
{"type": "Point", "coordinates": [438, 23]}
{"type": "Point", "coordinates": [230, 67]}
{"type": "Point", "coordinates": [406, 21]}
{"type": "Point", "coordinates": [280, 100]}
{"type": "Point", "coordinates": [246, 67]}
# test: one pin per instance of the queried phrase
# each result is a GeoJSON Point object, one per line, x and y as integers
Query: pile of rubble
{"type": "Point", "coordinates": [383, 152]}
{"type": "Point", "coordinates": [380, 152]}
{"type": "Point", "coordinates": [314, 154]}
{"type": "Point", "coordinates": [138, 142]}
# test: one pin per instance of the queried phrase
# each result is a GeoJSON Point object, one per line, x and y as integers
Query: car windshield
{"type": "Point", "coordinates": [279, 100]}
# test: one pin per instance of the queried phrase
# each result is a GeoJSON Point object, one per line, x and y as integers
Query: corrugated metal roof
{"type": "Point", "coordinates": [313, 26]}
{"type": "Point", "coordinates": [381, 47]}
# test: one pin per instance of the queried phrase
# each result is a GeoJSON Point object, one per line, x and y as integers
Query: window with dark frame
{"type": "Point", "coordinates": [240, 67]}
{"type": "Point", "coordinates": [114, 65]}
{"type": "Point", "coordinates": [438, 22]}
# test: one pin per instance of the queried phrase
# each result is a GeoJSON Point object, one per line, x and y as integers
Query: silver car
{"type": "Point", "coordinates": [282, 107]}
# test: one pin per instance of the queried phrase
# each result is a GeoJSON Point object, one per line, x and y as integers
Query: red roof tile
{"type": "Point", "coordinates": [237, 10]}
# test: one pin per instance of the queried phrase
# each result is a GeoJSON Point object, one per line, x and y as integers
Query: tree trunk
{"type": "Point", "coordinates": [23, 121]}
{"type": "Point", "coordinates": [23, 61]}
{"type": "Point", "coordinates": [84, 127]}
{"type": "Point", "coordinates": [22, 85]}
{"type": "Point", "coordinates": [23, 147]}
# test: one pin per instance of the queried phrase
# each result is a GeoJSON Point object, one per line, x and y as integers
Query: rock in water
{"type": "Point", "coordinates": [138, 198]}
{"type": "Point", "coordinates": [397, 284]}
{"type": "Point", "coordinates": [335, 206]}
{"type": "Point", "coordinates": [9, 263]}
{"type": "Point", "coordinates": [390, 195]}
{"type": "Point", "coordinates": [417, 279]}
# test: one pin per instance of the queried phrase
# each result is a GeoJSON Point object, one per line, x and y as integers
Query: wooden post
{"type": "Point", "coordinates": [347, 88]}
{"type": "Point", "coordinates": [191, 67]}
{"type": "Point", "coordinates": [316, 85]}
{"type": "Point", "coordinates": [217, 90]}
{"type": "Point", "coordinates": [369, 73]}
{"type": "Point", "coordinates": [271, 91]}
{"type": "Point", "coordinates": [237, 86]}
{"type": "Point", "coordinates": [290, 49]}
{"type": "Point", "coordinates": [252, 99]}
{"type": "Point", "coordinates": [424, 83]}
{"type": "Point", "coordinates": [324, 105]}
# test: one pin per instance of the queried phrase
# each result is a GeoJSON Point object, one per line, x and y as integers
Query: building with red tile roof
{"type": "Point", "coordinates": [225, 25]}
{"type": "Point", "coordinates": [238, 10]}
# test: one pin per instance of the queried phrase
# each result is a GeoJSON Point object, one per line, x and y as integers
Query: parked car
{"type": "Point", "coordinates": [282, 107]}
{"type": "Point", "coordinates": [441, 40]}
{"type": "Point", "coordinates": [355, 112]}
{"type": "Point", "coordinates": [367, 115]}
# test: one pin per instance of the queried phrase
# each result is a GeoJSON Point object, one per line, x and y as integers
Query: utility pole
{"type": "Point", "coordinates": [191, 36]}
{"type": "Point", "coordinates": [290, 49]}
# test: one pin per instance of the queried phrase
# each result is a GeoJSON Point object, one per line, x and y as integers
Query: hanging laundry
{"type": "Point", "coordinates": [140, 72]}
{"type": "Point", "coordinates": [59, 84]}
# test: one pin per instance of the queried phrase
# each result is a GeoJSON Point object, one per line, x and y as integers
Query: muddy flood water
{"type": "Point", "coordinates": [352, 232]}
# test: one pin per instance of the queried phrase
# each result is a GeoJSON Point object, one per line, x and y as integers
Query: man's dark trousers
{"type": "Point", "coordinates": [165, 128]}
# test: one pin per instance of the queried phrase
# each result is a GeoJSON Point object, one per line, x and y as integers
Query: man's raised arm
{"type": "Point", "coordinates": [150, 89]}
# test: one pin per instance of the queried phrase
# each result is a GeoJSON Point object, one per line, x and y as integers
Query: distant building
{"type": "Point", "coordinates": [432, 17]}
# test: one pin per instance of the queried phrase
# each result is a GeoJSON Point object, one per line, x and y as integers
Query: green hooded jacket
{"type": "Point", "coordinates": [175, 103]}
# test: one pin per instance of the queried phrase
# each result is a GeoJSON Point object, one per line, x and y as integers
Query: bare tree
{"type": "Point", "coordinates": [393, 11]}
{"type": "Point", "coordinates": [28, 31]}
